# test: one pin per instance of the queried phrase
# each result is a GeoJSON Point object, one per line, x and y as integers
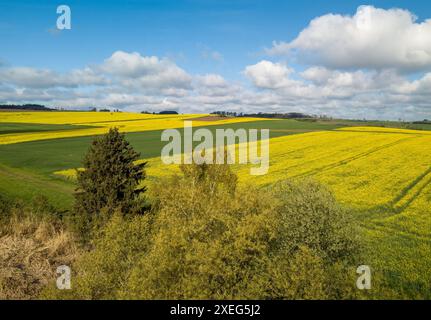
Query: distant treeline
{"type": "Point", "coordinates": [36, 107]}
{"type": "Point", "coordinates": [161, 112]}
{"type": "Point", "coordinates": [425, 121]}
{"type": "Point", "coordinates": [289, 115]}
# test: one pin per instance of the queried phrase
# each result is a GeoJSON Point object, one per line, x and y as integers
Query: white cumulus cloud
{"type": "Point", "coordinates": [267, 74]}
{"type": "Point", "coordinates": [372, 38]}
{"type": "Point", "coordinates": [141, 71]}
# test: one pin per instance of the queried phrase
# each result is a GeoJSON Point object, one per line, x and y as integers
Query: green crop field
{"type": "Point", "coordinates": [7, 127]}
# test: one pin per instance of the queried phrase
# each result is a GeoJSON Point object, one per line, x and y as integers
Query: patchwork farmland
{"type": "Point", "coordinates": [380, 174]}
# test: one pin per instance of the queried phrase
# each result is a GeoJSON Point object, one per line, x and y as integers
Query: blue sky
{"type": "Point", "coordinates": [200, 37]}
{"type": "Point", "coordinates": [185, 30]}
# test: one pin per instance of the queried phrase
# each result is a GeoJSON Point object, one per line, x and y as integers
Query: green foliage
{"type": "Point", "coordinates": [206, 240]}
{"type": "Point", "coordinates": [109, 182]}
{"type": "Point", "coordinates": [310, 216]}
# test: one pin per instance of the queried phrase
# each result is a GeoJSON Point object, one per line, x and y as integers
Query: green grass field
{"type": "Point", "coordinates": [8, 127]}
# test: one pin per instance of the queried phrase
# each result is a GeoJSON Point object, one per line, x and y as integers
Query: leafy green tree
{"type": "Point", "coordinates": [111, 181]}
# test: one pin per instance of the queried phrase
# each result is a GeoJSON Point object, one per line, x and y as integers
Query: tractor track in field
{"type": "Point", "coordinates": [393, 230]}
{"type": "Point", "coordinates": [394, 207]}
{"type": "Point", "coordinates": [349, 159]}
{"type": "Point", "coordinates": [405, 192]}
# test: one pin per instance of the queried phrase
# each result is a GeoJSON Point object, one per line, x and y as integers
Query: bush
{"type": "Point", "coordinates": [312, 226]}
{"type": "Point", "coordinates": [309, 215]}
{"type": "Point", "coordinates": [206, 240]}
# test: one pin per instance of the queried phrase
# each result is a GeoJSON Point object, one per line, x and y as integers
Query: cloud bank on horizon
{"type": "Point", "coordinates": [375, 64]}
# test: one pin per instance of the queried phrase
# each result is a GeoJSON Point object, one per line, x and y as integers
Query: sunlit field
{"type": "Point", "coordinates": [381, 175]}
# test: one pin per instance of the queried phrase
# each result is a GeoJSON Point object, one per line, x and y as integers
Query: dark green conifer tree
{"type": "Point", "coordinates": [110, 181]}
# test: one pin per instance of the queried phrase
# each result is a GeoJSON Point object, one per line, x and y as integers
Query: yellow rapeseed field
{"type": "Point", "coordinates": [99, 123]}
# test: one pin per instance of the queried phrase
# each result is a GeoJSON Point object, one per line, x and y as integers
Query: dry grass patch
{"type": "Point", "coordinates": [30, 252]}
